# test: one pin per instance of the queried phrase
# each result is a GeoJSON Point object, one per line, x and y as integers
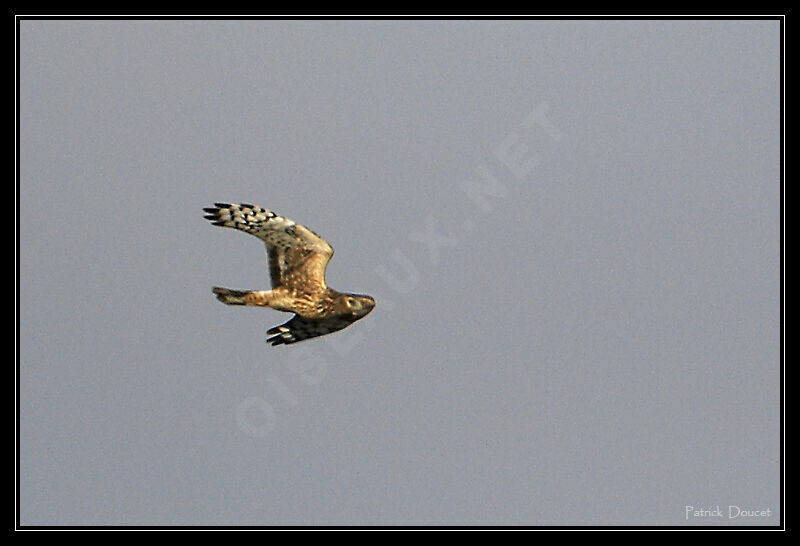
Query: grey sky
{"type": "Point", "coordinates": [591, 337]}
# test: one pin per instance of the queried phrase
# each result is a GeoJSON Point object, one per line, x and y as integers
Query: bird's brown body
{"type": "Point", "coordinates": [311, 305]}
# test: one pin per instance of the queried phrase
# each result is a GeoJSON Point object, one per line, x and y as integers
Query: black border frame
{"type": "Point", "coordinates": [19, 18]}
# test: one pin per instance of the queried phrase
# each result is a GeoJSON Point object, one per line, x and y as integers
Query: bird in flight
{"type": "Point", "coordinates": [296, 258]}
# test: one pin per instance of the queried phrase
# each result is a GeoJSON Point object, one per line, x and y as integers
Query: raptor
{"type": "Point", "coordinates": [296, 258]}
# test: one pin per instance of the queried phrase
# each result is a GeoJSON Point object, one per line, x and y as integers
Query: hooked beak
{"type": "Point", "coordinates": [368, 304]}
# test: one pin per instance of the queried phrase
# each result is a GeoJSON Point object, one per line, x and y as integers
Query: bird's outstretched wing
{"type": "Point", "coordinates": [299, 328]}
{"type": "Point", "coordinates": [296, 256]}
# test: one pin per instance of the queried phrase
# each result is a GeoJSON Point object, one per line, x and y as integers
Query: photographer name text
{"type": "Point", "coordinates": [732, 512]}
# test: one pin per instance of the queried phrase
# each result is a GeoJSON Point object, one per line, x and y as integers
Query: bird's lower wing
{"type": "Point", "coordinates": [299, 329]}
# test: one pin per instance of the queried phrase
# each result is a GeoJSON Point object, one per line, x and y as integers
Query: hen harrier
{"type": "Point", "coordinates": [297, 258]}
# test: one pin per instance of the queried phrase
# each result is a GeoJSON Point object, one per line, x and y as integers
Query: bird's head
{"type": "Point", "coordinates": [355, 305]}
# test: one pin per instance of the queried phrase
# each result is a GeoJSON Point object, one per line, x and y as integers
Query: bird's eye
{"type": "Point", "coordinates": [353, 303]}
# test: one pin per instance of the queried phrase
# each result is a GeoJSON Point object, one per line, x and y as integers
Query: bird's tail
{"type": "Point", "coordinates": [231, 297]}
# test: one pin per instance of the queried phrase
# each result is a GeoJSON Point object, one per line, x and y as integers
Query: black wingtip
{"type": "Point", "coordinates": [212, 210]}
{"type": "Point", "coordinates": [220, 223]}
{"type": "Point", "coordinates": [223, 205]}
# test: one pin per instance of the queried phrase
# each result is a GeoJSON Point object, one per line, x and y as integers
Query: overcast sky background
{"type": "Point", "coordinates": [571, 229]}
